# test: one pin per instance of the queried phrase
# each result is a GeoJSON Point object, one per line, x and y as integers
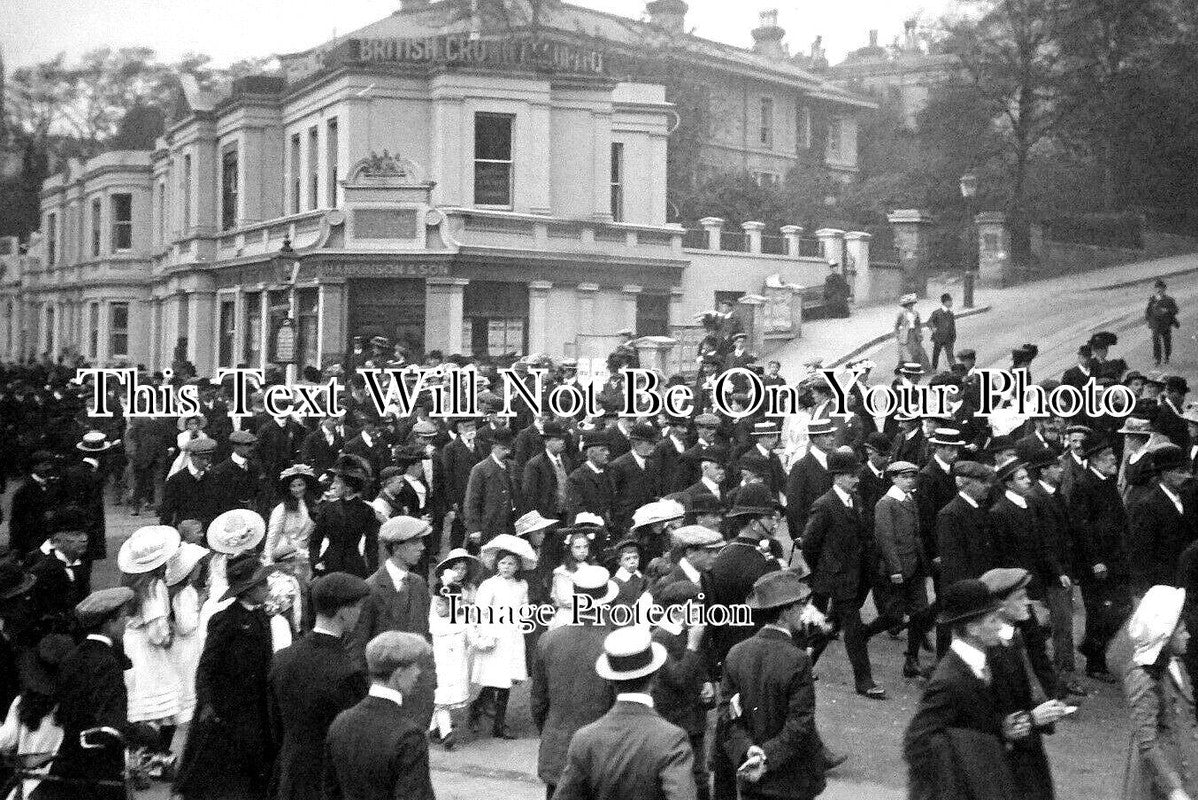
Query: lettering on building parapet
{"type": "Point", "coordinates": [460, 49]}
{"type": "Point", "coordinates": [386, 270]}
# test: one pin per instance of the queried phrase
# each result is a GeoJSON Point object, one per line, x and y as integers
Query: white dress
{"type": "Point", "coordinates": [152, 683]}
{"type": "Point", "coordinates": [561, 592]}
{"type": "Point", "coordinates": [502, 665]}
{"type": "Point", "coordinates": [186, 648]}
{"type": "Point", "coordinates": [451, 652]}
{"type": "Point", "coordinates": [18, 739]}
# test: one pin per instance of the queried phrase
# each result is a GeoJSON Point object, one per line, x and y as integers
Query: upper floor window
{"type": "Point", "coordinates": [51, 239]}
{"type": "Point", "coordinates": [493, 159]}
{"type": "Point", "coordinates": [186, 192]}
{"type": "Point", "coordinates": [228, 188]}
{"type": "Point", "coordinates": [331, 146]}
{"type": "Point", "coordinates": [118, 329]}
{"type": "Point", "coordinates": [295, 173]}
{"type": "Point", "coordinates": [97, 209]}
{"type": "Point", "coordinates": [162, 212]}
{"type": "Point", "coordinates": [803, 132]}
{"type": "Point", "coordinates": [766, 134]}
{"type": "Point", "coordinates": [617, 181]}
{"type": "Point", "coordinates": [313, 167]}
{"type": "Point", "coordinates": [835, 137]}
{"type": "Point", "coordinates": [122, 222]}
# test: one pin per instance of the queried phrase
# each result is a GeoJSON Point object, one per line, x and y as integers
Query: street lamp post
{"type": "Point", "coordinates": [969, 189]}
{"type": "Point", "coordinates": [287, 265]}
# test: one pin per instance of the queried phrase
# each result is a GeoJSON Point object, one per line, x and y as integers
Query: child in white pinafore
{"type": "Point", "coordinates": [185, 584]}
{"type": "Point", "coordinates": [456, 576]}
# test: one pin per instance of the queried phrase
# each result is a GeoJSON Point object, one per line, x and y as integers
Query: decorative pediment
{"type": "Point", "coordinates": [385, 169]}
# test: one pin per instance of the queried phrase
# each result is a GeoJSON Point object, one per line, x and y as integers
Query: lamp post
{"type": "Point", "coordinates": [969, 189]}
{"type": "Point", "coordinates": [286, 346]}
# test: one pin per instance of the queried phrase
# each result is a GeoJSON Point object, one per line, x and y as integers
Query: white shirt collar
{"type": "Point", "coordinates": [844, 496]}
{"type": "Point", "coordinates": [386, 693]}
{"type": "Point", "coordinates": [1169, 494]}
{"type": "Point", "coordinates": [877, 472]}
{"type": "Point", "coordinates": [968, 499]}
{"type": "Point", "coordinates": [640, 461]}
{"type": "Point", "coordinates": [625, 575]}
{"type": "Point", "coordinates": [58, 554]}
{"type": "Point", "coordinates": [974, 658]}
{"type": "Point", "coordinates": [944, 465]}
{"type": "Point", "coordinates": [1017, 499]}
{"type": "Point", "coordinates": [764, 451]}
{"type": "Point", "coordinates": [239, 460]}
{"type": "Point", "coordinates": [397, 574]}
{"type": "Point", "coordinates": [1006, 632]}
{"type": "Point", "coordinates": [95, 462]}
{"type": "Point", "coordinates": [712, 485]}
{"type": "Point", "coordinates": [678, 443]}
{"type": "Point", "coordinates": [819, 455]}
{"type": "Point", "coordinates": [192, 469]}
{"type": "Point", "coordinates": [689, 570]}
{"type": "Point", "coordinates": [366, 439]}
{"type": "Point", "coordinates": [99, 637]}
{"type": "Point", "coordinates": [897, 493]}
{"type": "Point", "coordinates": [498, 462]}
{"type": "Point", "coordinates": [325, 631]}
{"type": "Point", "coordinates": [636, 697]}
{"type": "Point", "coordinates": [1048, 488]}
{"type": "Point", "coordinates": [595, 469]}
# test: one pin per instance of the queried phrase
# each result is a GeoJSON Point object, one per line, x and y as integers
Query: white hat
{"type": "Point", "coordinates": [587, 518]}
{"type": "Point", "coordinates": [512, 544]}
{"type": "Point", "coordinates": [147, 549]}
{"type": "Point", "coordinates": [236, 531]}
{"type": "Point", "coordinates": [595, 581]}
{"type": "Point", "coordinates": [183, 562]}
{"type": "Point", "coordinates": [657, 511]}
{"type": "Point", "coordinates": [532, 522]}
{"type": "Point", "coordinates": [630, 653]}
{"type": "Point", "coordinates": [1153, 622]}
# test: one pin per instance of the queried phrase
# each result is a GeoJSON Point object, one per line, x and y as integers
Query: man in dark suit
{"type": "Point", "coordinates": [712, 475]}
{"type": "Point", "coordinates": [809, 478]}
{"type": "Point", "coordinates": [635, 476]}
{"type": "Point", "coordinates": [935, 486]}
{"type": "Point", "coordinates": [1168, 418]}
{"type": "Point", "coordinates": [833, 545]}
{"type": "Point", "coordinates": [1162, 523]}
{"type": "Point", "coordinates": [322, 446]}
{"type": "Point", "coordinates": [566, 693]}
{"type": "Point", "coordinates": [619, 436]}
{"type": "Point", "coordinates": [1161, 317]}
{"type": "Point", "coordinates": [687, 468]}
{"type": "Point", "coordinates": [766, 720]}
{"type": "Point", "coordinates": [1018, 537]}
{"type": "Point", "coordinates": [375, 750]}
{"type": "Point", "coordinates": [955, 741]}
{"type": "Point", "coordinates": [369, 444]}
{"type": "Point", "coordinates": [460, 456]}
{"type": "Point", "coordinates": [1080, 373]}
{"type": "Point", "coordinates": [56, 567]}
{"type": "Point", "coordinates": [545, 474]}
{"type": "Point", "coordinates": [765, 436]}
{"type": "Point", "coordinates": [962, 533]}
{"type": "Point", "coordinates": [589, 486]}
{"type": "Point", "coordinates": [313, 681]}
{"type": "Point", "coordinates": [529, 442]}
{"type": "Point", "coordinates": [492, 493]}
{"type": "Point", "coordinates": [739, 355]}
{"type": "Point", "coordinates": [31, 505]}
{"type": "Point", "coordinates": [188, 494]}
{"type": "Point", "coordinates": [944, 331]}
{"type": "Point", "coordinates": [674, 442]}
{"type": "Point", "coordinates": [630, 751]}
{"type": "Point", "coordinates": [238, 482]}
{"type": "Point", "coordinates": [83, 486]}
{"type": "Point", "coordinates": [279, 443]}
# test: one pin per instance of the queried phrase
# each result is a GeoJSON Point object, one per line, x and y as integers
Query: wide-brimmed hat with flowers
{"type": "Point", "coordinates": [147, 549]}
{"type": "Point", "coordinates": [236, 531]}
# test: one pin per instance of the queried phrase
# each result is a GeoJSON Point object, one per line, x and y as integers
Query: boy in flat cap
{"type": "Point", "coordinates": [237, 482]}
{"type": "Point", "coordinates": [189, 493]}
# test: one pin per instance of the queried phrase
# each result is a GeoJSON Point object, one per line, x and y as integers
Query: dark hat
{"type": "Point", "coordinates": [628, 541]}
{"type": "Point", "coordinates": [14, 580]}
{"type": "Point", "coordinates": [502, 436]}
{"type": "Point", "coordinates": [245, 572]}
{"type": "Point", "coordinates": [201, 446]}
{"type": "Point", "coordinates": [68, 518]}
{"type": "Point", "coordinates": [1039, 457]}
{"type": "Point", "coordinates": [1176, 383]}
{"type": "Point", "coordinates": [408, 455]}
{"type": "Point", "coordinates": [968, 354]}
{"type": "Point", "coordinates": [1156, 378]}
{"type": "Point", "coordinates": [553, 430]}
{"type": "Point", "coordinates": [1104, 339]}
{"type": "Point", "coordinates": [1006, 471]}
{"type": "Point", "coordinates": [242, 437]}
{"type": "Point", "coordinates": [1085, 350]}
{"type": "Point", "coordinates": [1168, 457]}
{"type": "Point", "coordinates": [353, 469]}
{"type": "Point", "coordinates": [1003, 581]}
{"type": "Point", "coordinates": [596, 438]}
{"type": "Point", "coordinates": [718, 455]}
{"type": "Point", "coordinates": [754, 462]}
{"type": "Point", "coordinates": [99, 606]}
{"type": "Point", "coordinates": [644, 432]}
{"type": "Point", "coordinates": [999, 443]}
{"type": "Point", "coordinates": [878, 442]}
{"type": "Point", "coordinates": [972, 469]}
{"type": "Point", "coordinates": [42, 457]}
{"type": "Point", "coordinates": [1025, 352]}
{"type": "Point", "coordinates": [840, 463]}
{"type": "Point", "coordinates": [463, 420]}
{"type": "Point", "coordinates": [338, 589]}
{"type": "Point", "coordinates": [755, 500]}
{"type": "Point", "coordinates": [777, 589]}
{"type": "Point", "coordinates": [820, 427]}
{"type": "Point", "coordinates": [1158, 284]}
{"type": "Point", "coordinates": [966, 600]}
{"type": "Point", "coordinates": [1134, 375]}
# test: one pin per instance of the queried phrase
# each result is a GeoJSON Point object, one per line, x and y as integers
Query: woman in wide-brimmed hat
{"type": "Point", "coordinates": [154, 690]}
{"type": "Point", "coordinates": [908, 333]}
{"type": "Point", "coordinates": [190, 429]}
{"type": "Point", "coordinates": [292, 522]}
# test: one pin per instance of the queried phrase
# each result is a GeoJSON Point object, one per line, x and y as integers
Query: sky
{"type": "Point", "coordinates": [228, 30]}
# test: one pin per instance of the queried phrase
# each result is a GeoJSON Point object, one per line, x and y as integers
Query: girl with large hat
{"type": "Point", "coordinates": [190, 429]}
{"type": "Point", "coordinates": [455, 576]}
{"type": "Point", "coordinates": [153, 683]}
{"type": "Point", "coordinates": [292, 521]}
{"type": "Point", "coordinates": [185, 584]}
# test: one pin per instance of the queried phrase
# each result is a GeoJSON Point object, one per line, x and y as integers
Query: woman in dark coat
{"type": "Point", "coordinates": [229, 752]}
{"type": "Point", "coordinates": [346, 536]}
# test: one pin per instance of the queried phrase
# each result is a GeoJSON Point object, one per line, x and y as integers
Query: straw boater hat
{"type": "Point", "coordinates": [236, 531]}
{"type": "Point", "coordinates": [511, 544]}
{"type": "Point", "coordinates": [147, 549]}
{"type": "Point", "coordinates": [96, 442]}
{"type": "Point", "coordinates": [533, 522]}
{"type": "Point", "coordinates": [595, 582]}
{"type": "Point", "coordinates": [183, 562]}
{"type": "Point", "coordinates": [947, 437]}
{"type": "Point", "coordinates": [630, 653]}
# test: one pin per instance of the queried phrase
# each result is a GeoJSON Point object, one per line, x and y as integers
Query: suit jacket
{"type": "Point", "coordinates": [679, 684]}
{"type": "Point", "coordinates": [58, 589]}
{"type": "Point", "coordinates": [27, 523]}
{"type": "Point", "coordinates": [238, 487]}
{"type": "Point", "coordinates": [736, 568]}
{"type": "Point", "coordinates": [566, 693]}
{"type": "Point", "coordinates": [1019, 541]}
{"type": "Point", "coordinates": [1057, 526]}
{"type": "Point", "coordinates": [632, 487]}
{"type": "Point", "coordinates": [1157, 535]}
{"type": "Point", "coordinates": [772, 675]}
{"type": "Point", "coordinates": [834, 545]}
{"type": "Point", "coordinates": [83, 485]}
{"type": "Point", "coordinates": [944, 326]}
{"type": "Point", "coordinates": [1170, 423]}
{"type": "Point", "coordinates": [671, 466]}
{"type": "Point", "coordinates": [954, 699]}
{"type": "Point", "coordinates": [913, 449]}
{"type": "Point", "coordinates": [147, 440]}
{"type": "Point", "coordinates": [699, 488]}
{"type": "Point", "coordinates": [587, 490]}
{"type": "Point", "coordinates": [375, 751]}
{"type": "Point", "coordinates": [377, 454]}
{"type": "Point", "coordinates": [896, 530]}
{"type": "Point", "coordinates": [491, 499]}
{"type": "Point", "coordinates": [311, 682]}
{"type": "Point", "coordinates": [317, 453]}
{"type": "Point", "coordinates": [186, 497]}
{"type": "Point", "coordinates": [459, 461]}
{"type": "Point", "coordinates": [529, 443]}
{"type": "Point", "coordinates": [934, 489]}
{"type": "Point", "coordinates": [539, 488]}
{"type": "Point", "coordinates": [870, 489]}
{"type": "Point", "coordinates": [388, 609]}
{"type": "Point", "coordinates": [963, 542]}
{"type": "Point", "coordinates": [279, 447]}
{"type": "Point", "coordinates": [631, 751]}
{"type": "Point", "coordinates": [805, 484]}
{"type": "Point", "coordinates": [1099, 513]}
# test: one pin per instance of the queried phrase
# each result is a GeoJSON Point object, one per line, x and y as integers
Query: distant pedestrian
{"type": "Point", "coordinates": [944, 331]}
{"type": "Point", "coordinates": [836, 293]}
{"type": "Point", "coordinates": [1161, 316]}
{"type": "Point", "coordinates": [908, 333]}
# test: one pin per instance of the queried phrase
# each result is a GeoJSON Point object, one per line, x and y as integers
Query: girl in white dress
{"type": "Point", "coordinates": [186, 580]}
{"type": "Point", "coordinates": [499, 655]}
{"type": "Point", "coordinates": [292, 522]}
{"type": "Point", "coordinates": [576, 551]}
{"type": "Point", "coordinates": [456, 576]}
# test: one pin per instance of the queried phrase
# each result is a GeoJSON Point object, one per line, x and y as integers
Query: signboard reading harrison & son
{"type": "Point", "coordinates": [459, 49]}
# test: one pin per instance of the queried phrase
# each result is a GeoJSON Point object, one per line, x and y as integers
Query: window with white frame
{"type": "Point", "coordinates": [493, 159]}
{"type": "Point", "coordinates": [228, 187]}
{"type": "Point", "coordinates": [331, 145]}
{"type": "Point", "coordinates": [118, 329]}
{"type": "Point", "coordinates": [617, 181]}
{"type": "Point", "coordinates": [766, 134]}
{"type": "Point", "coordinates": [295, 173]}
{"type": "Point", "coordinates": [313, 167]}
{"type": "Point", "coordinates": [122, 222]}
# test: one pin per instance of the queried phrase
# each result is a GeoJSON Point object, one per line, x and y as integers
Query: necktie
{"type": "Point", "coordinates": [559, 472]}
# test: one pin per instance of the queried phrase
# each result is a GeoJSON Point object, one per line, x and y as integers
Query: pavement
{"type": "Point", "coordinates": [1087, 752]}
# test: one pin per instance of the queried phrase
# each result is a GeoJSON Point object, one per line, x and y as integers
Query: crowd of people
{"type": "Point", "coordinates": [317, 600]}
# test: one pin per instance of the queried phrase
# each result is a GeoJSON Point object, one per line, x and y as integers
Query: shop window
{"type": "Point", "coordinates": [228, 332]}
{"type": "Point", "coordinates": [118, 329]}
{"type": "Point", "coordinates": [495, 318]}
{"type": "Point", "coordinates": [309, 326]}
{"type": "Point", "coordinates": [493, 160]}
{"type": "Point", "coordinates": [228, 188]}
{"type": "Point", "coordinates": [617, 181]}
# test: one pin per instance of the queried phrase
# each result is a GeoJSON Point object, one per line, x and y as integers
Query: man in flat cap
{"type": "Point", "coordinates": [188, 494]}
{"type": "Point", "coordinates": [699, 546]}
{"type": "Point", "coordinates": [313, 681]}
{"type": "Point", "coordinates": [238, 482]}
{"type": "Point", "coordinates": [492, 493]}
{"type": "Point", "coordinates": [375, 749]}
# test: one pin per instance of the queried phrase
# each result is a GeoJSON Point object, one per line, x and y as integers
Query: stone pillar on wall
{"type": "Point", "coordinates": [676, 306]}
{"type": "Point", "coordinates": [751, 310]}
{"type": "Point", "coordinates": [538, 316]}
{"type": "Point", "coordinates": [586, 307]}
{"type": "Point", "coordinates": [630, 293]}
{"type": "Point", "coordinates": [911, 235]}
{"type": "Point", "coordinates": [856, 244]}
{"type": "Point", "coordinates": [444, 304]}
{"type": "Point", "coordinates": [994, 248]}
{"type": "Point", "coordinates": [793, 234]}
{"type": "Point", "coordinates": [753, 234]}
{"type": "Point", "coordinates": [713, 226]}
{"type": "Point", "coordinates": [831, 244]}
{"type": "Point", "coordinates": [201, 333]}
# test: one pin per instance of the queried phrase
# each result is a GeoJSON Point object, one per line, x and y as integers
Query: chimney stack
{"type": "Point", "coordinates": [768, 36]}
{"type": "Point", "coordinates": [873, 39]}
{"type": "Point", "coordinates": [669, 15]}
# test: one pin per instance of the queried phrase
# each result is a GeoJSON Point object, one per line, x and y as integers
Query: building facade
{"type": "Point", "coordinates": [477, 193]}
